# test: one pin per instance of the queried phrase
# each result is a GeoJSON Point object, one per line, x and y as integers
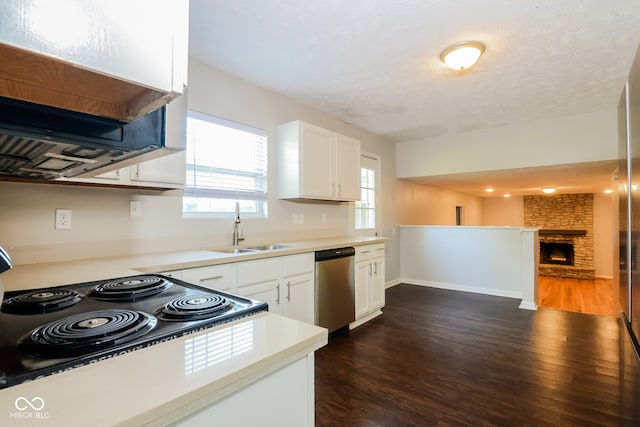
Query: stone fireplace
{"type": "Point", "coordinates": [565, 235]}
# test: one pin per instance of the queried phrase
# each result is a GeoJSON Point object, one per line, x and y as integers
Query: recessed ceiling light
{"type": "Point", "coordinates": [549, 190]}
{"type": "Point", "coordinates": [463, 55]}
{"type": "Point", "coordinates": [507, 195]}
{"type": "Point", "coordinates": [489, 190]}
{"type": "Point", "coordinates": [608, 191]}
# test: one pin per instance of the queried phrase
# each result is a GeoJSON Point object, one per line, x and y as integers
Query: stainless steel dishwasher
{"type": "Point", "coordinates": [335, 288]}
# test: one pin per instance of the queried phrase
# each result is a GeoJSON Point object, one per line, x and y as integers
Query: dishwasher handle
{"type": "Point", "coordinates": [335, 253]}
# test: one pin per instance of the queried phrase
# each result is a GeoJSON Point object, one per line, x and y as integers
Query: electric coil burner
{"type": "Point", "coordinates": [46, 331]}
{"type": "Point", "coordinates": [129, 289]}
{"type": "Point", "coordinates": [41, 301]}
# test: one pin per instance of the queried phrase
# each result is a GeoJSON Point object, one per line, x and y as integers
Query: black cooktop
{"type": "Point", "coordinates": [50, 330]}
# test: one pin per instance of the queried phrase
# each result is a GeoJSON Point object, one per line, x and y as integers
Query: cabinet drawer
{"type": "Point", "coordinates": [293, 265]}
{"type": "Point", "coordinates": [250, 272]}
{"type": "Point", "coordinates": [221, 277]}
{"type": "Point", "coordinates": [363, 252]}
{"type": "Point", "coordinates": [378, 250]}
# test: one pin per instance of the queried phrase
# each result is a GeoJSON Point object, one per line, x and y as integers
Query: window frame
{"type": "Point", "coordinates": [377, 196]}
{"type": "Point", "coordinates": [261, 203]}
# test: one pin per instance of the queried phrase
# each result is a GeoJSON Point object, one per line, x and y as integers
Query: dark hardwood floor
{"type": "Point", "coordinates": [445, 358]}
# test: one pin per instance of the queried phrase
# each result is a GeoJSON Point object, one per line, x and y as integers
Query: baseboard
{"type": "Point", "coordinates": [528, 305]}
{"type": "Point", "coordinates": [365, 319]}
{"type": "Point", "coordinates": [463, 288]}
{"type": "Point", "coordinates": [392, 283]}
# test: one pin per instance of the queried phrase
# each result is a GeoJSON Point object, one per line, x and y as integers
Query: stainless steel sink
{"type": "Point", "coordinates": [269, 247]}
{"type": "Point", "coordinates": [235, 250]}
{"type": "Point", "coordinates": [252, 249]}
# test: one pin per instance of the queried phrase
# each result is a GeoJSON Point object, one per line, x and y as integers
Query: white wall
{"type": "Point", "coordinates": [422, 205]}
{"type": "Point", "coordinates": [489, 260]}
{"type": "Point", "coordinates": [500, 211]}
{"type": "Point", "coordinates": [564, 140]}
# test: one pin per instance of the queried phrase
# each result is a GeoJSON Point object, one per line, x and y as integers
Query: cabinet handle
{"type": "Point", "coordinates": [278, 295]}
{"type": "Point", "coordinates": [369, 269]}
{"type": "Point", "coordinates": [364, 252]}
{"type": "Point", "coordinates": [289, 291]}
{"type": "Point", "coordinates": [204, 279]}
{"type": "Point", "coordinates": [339, 189]}
{"type": "Point", "coordinates": [375, 268]}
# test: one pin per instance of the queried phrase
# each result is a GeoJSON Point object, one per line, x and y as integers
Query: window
{"type": "Point", "coordinates": [226, 163]}
{"type": "Point", "coordinates": [365, 209]}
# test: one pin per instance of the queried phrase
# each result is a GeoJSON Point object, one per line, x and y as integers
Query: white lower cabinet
{"type": "Point", "coordinates": [284, 398]}
{"type": "Point", "coordinates": [369, 282]}
{"type": "Point", "coordinates": [285, 283]}
{"type": "Point", "coordinates": [297, 277]}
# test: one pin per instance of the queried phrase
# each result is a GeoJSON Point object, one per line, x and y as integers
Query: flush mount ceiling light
{"type": "Point", "coordinates": [463, 55]}
{"type": "Point", "coordinates": [549, 190]}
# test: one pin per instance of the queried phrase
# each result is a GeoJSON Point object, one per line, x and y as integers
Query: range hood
{"type": "Point", "coordinates": [42, 142]}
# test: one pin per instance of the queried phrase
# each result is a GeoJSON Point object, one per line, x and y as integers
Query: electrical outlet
{"type": "Point", "coordinates": [135, 209]}
{"type": "Point", "coordinates": [63, 219]}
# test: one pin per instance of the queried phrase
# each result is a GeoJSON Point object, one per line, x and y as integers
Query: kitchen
{"type": "Point", "coordinates": [103, 227]}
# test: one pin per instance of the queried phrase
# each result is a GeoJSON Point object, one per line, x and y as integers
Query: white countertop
{"type": "Point", "coordinates": [33, 276]}
{"type": "Point", "coordinates": [162, 383]}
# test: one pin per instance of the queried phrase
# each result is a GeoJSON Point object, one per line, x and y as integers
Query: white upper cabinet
{"type": "Point", "coordinates": [315, 163]}
{"type": "Point", "coordinates": [111, 58]}
{"type": "Point", "coordinates": [347, 168]}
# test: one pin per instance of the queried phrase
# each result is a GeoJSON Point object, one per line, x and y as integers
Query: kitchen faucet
{"type": "Point", "coordinates": [236, 236]}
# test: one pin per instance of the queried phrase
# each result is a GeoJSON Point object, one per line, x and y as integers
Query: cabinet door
{"type": "Point", "coordinates": [378, 276]}
{"type": "Point", "coordinates": [298, 298]}
{"type": "Point", "coordinates": [347, 168]}
{"type": "Point", "coordinates": [315, 162]}
{"type": "Point", "coordinates": [377, 284]}
{"type": "Point", "coordinates": [268, 292]}
{"type": "Point", "coordinates": [168, 169]}
{"type": "Point", "coordinates": [220, 277]}
{"type": "Point", "coordinates": [362, 278]}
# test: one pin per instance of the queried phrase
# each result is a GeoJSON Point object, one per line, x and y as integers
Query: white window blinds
{"type": "Point", "coordinates": [226, 162]}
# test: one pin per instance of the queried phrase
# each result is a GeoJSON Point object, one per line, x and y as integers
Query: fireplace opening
{"type": "Point", "coordinates": [556, 253]}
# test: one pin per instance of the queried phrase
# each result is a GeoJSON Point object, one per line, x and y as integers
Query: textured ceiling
{"type": "Point", "coordinates": [375, 63]}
